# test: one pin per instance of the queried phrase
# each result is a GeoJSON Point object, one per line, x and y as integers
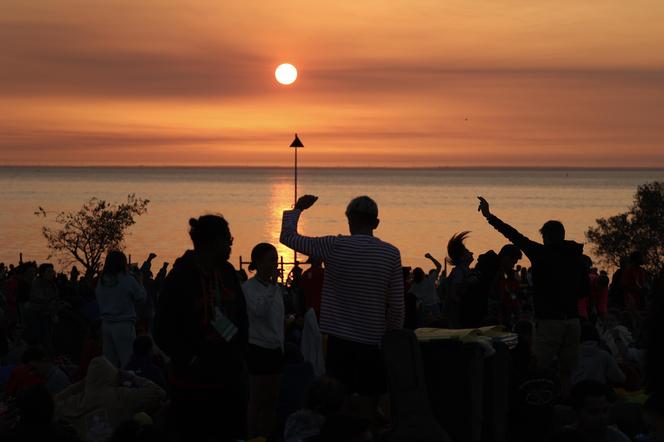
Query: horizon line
{"type": "Point", "coordinates": [264, 167]}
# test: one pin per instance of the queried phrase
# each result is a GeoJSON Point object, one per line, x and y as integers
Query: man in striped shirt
{"type": "Point", "coordinates": [363, 294]}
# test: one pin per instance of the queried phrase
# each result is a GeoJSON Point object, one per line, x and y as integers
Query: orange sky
{"type": "Point", "coordinates": [382, 83]}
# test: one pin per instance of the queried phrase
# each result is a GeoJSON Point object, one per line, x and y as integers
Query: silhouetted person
{"type": "Point", "coordinates": [201, 325]}
{"type": "Point", "coordinates": [265, 352]}
{"type": "Point", "coordinates": [559, 280]}
{"type": "Point", "coordinates": [633, 282]}
{"type": "Point", "coordinates": [117, 292]}
{"type": "Point", "coordinates": [40, 310]}
{"type": "Point", "coordinates": [474, 302]}
{"type": "Point", "coordinates": [509, 285]}
{"type": "Point", "coordinates": [456, 284]}
{"type": "Point", "coordinates": [616, 293]}
{"type": "Point", "coordinates": [363, 293]}
{"type": "Point", "coordinates": [424, 289]}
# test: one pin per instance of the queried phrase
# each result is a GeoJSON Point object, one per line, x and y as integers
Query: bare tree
{"type": "Point", "coordinates": [85, 235]}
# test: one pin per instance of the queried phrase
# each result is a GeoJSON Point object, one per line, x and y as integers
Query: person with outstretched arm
{"type": "Point", "coordinates": [559, 280]}
{"type": "Point", "coordinates": [363, 294]}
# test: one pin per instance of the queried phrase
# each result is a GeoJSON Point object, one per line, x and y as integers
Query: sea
{"type": "Point", "coordinates": [419, 209]}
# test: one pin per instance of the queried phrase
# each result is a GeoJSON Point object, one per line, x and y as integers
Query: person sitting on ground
{"type": "Point", "coordinates": [36, 369]}
{"type": "Point", "coordinates": [559, 280]}
{"type": "Point", "coordinates": [142, 363]}
{"type": "Point", "coordinates": [265, 352]}
{"type": "Point", "coordinates": [424, 289]}
{"type": "Point", "coordinates": [591, 402]}
{"type": "Point", "coordinates": [456, 284]}
{"type": "Point", "coordinates": [363, 294]}
{"type": "Point", "coordinates": [595, 363]}
{"type": "Point", "coordinates": [105, 398]}
{"type": "Point", "coordinates": [116, 293]}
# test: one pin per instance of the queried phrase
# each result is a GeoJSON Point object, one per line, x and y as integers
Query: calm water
{"type": "Point", "coordinates": [419, 209]}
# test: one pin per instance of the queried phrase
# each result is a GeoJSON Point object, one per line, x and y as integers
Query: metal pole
{"type": "Point", "coordinates": [295, 199]}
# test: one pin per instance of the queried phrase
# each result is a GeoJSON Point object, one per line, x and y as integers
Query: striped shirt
{"type": "Point", "coordinates": [363, 292]}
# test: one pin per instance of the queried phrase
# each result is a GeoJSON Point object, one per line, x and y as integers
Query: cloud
{"type": "Point", "coordinates": [75, 61]}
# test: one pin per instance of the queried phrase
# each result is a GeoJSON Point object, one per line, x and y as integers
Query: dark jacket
{"type": "Point", "coordinates": [200, 356]}
{"type": "Point", "coordinates": [559, 276]}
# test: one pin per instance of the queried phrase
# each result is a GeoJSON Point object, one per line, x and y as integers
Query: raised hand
{"type": "Point", "coordinates": [428, 256]}
{"type": "Point", "coordinates": [484, 207]}
{"type": "Point", "coordinates": [306, 201]}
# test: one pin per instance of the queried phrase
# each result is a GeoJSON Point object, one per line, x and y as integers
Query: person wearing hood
{"type": "Point", "coordinates": [106, 398]}
{"type": "Point", "coordinates": [559, 279]}
{"type": "Point", "coordinates": [117, 293]}
{"type": "Point", "coordinates": [201, 325]}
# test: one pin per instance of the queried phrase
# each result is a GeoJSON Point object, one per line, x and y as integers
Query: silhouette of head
{"type": "Point", "coordinates": [116, 263]}
{"type": "Point", "coordinates": [457, 252]}
{"type": "Point", "coordinates": [553, 232]}
{"type": "Point", "coordinates": [211, 237]}
{"type": "Point", "coordinates": [46, 271]}
{"type": "Point", "coordinates": [362, 214]}
{"type": "Point", "coordinates": [509, 255]}
{"type": "Point", "coordinates": [418, 275]}
{"type": "Point", "coordinates": [587, 262]}
{"type": "Point", "coordinates": [264, 259]}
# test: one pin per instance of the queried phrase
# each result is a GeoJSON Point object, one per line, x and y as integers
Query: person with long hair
{"type": "Point", "coordinates": [265, 352]}
{"type": "Point", "coordinates": [456, 284]}
{"type": "Point", "coordinates": [117, 293]}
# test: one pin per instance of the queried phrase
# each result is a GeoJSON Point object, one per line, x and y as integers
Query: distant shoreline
{"type": "Point", "coordinates": [445, 168]}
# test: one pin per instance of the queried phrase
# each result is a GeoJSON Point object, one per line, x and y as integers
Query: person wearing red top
{"type": "Point", "coordinates": [312, 285]}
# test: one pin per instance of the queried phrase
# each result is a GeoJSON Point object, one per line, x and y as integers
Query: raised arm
{"type": "Point", "coordinates": [527, 246]}
{"type": "Point", "coordinates": [435, 262]}
{"type": "Point", "coordinates": [320, 247]}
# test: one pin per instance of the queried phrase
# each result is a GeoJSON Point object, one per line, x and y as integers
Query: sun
{"type": "Point", "coordinates": [286, 73]}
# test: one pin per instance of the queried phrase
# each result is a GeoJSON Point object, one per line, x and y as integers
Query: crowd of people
{"type": "Point", "coordinates": [208, 352]}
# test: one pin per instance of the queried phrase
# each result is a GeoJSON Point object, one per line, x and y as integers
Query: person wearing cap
{"type": "Point", "coordinates": [362, 292]}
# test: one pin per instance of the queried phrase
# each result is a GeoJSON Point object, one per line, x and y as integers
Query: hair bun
{"type": "Point", "coordinates": [193, 222]}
